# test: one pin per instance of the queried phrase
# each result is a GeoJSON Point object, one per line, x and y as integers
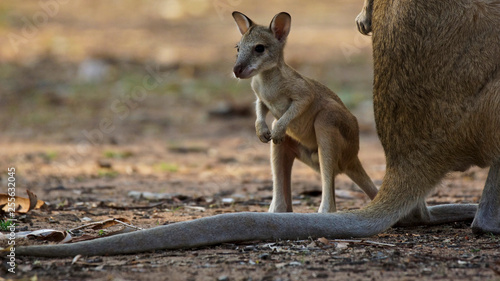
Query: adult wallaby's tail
{"type": "Point", "coordinates": [219, 229]}
{"type": "Point", "coordinates": [380, 214]}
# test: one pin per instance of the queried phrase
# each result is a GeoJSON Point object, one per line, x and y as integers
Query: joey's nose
{"type": "Point", "coordinates": [237, 70]}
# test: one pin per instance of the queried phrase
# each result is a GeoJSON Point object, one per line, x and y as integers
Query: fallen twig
{"type": "Point", "coordinates": [133, 207]}
{"type": "Point", "coordinates": [103, 222]}
{"type": "Point", "coordinates": [326, 241]}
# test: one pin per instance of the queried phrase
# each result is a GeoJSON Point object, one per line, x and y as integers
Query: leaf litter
{"type": "Point", "coordinates": [22, 204]}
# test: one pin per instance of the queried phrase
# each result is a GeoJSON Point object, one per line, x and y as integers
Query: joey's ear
{"type": "Point", "coordinates": [280, 25]}
{"type": "Point", "coordinates": [243, 22]}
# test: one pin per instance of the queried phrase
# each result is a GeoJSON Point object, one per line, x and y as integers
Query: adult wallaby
{"type": "Point", "coordinates": [364, 19]}
{"type": "Point", "coordinates": [437, 99]}
{"type": "Point", "coordinates": [437, 109]}
{"type": "Point", "coordinates": [311, 122]}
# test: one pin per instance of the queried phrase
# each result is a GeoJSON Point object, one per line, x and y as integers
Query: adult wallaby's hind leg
{"type": "Point", "coordinates": [488, 216]}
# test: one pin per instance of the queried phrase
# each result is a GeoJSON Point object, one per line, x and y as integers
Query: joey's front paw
{"type": "Point", "coordinates": [263, 132]}
{"type": "Point", "coordinates": [264, 135]}
{"type": "Point", "coordinates": [364, 22]}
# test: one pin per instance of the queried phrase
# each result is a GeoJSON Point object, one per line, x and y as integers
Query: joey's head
{"type": "Point", "coordinates": [260, 47]}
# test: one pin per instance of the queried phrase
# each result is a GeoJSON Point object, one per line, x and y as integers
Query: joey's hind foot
{"type": "Point", "coordinates": [278, 208]}
{"type": "Point", "coordinates": [327, 208]}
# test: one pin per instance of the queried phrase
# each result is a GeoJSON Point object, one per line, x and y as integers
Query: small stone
{"type": "Point", "coordinates": [248, 248]}
{"type": "Point", "coordinates": [264, 256]}
{"type": "Point", "coordinates": [228, 200]}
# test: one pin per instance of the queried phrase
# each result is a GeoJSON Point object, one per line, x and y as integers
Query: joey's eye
{"type": "Point", "coordinates": [237, 48]}
{"type": "Point", "coordinates": [260, 48]}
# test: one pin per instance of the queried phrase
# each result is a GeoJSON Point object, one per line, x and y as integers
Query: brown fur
{"type": "Point", "coordinates": [437, 93]}
{"type": "Point", "coordinates": [437, 109]}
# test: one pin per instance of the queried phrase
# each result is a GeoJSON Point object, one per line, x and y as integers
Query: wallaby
{"type": "Point", "coordinates": [436, 100]}
{"type": "Point", "coordinates": [364, 19]}
{"type": "Point", "coordinates": [437, 109]}
{"type": "Point", "coordinates": [311, 122]}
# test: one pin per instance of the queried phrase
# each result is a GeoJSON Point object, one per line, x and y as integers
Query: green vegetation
{"type": "Point", "coordinates": [105, 173]}
{"type": "Point", "coordinates": [166, 167]}
{"type": "Point", "coordinates": [117, 154]}
{"type": "Point", "coordinates": [6, 224]}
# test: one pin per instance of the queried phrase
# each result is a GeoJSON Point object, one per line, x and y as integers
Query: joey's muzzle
{"type": "Point", "coordinates": [242, 71]}
{"type": "Point", "coordinates": [237, 70]}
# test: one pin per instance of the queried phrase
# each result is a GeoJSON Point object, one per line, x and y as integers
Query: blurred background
{"type": "Point", "coordinates": [120, 92]}
{"type": "Point", "coordinates": [65, 66]}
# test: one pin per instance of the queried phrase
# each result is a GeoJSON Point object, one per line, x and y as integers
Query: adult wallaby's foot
{"type": "Point", "coordinates": [487, 219]}
{"type": "Point", "coordinates": [364, 19]}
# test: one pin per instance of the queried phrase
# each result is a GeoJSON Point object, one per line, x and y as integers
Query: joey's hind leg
{"type": "Point", "coordinates": [487, 218]}
{"type": "Point", "coordinates": [356, 172]}
{"type": "Point", "coordinates": [328, 152]}
{"type": "Point", "coordinates": [309, 157]}
{"type": "Point", "coordinates": [282, 157]}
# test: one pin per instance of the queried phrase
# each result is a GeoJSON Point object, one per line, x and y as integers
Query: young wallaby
{"type": "Point", "coordinates": [437, 109]}
{"type": "Point", "coordinates": [311, 122]}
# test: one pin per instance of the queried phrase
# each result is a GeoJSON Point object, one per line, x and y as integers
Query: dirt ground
{"type": "Point", "coordinates": [231, 173]}
{"type": "Point", "coordinates": [85, 140]}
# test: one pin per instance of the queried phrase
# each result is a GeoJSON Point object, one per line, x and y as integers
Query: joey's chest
{"type": "Point", "coordinates": [275, 98]}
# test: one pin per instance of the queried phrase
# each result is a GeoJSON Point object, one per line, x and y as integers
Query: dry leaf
{"type": "Point", "coordinates": [84, 237]}
{"type": "Point", "coordinates": [75, 259]}
{"type": "Point", "coordinates": [33, 200]}
{"type": "Point", "coordinates": [123, 223]}
{"type": "Point", "coordinates": [341, 245]}
{"type": "Point", "coordinates": [109, 223]}
{"type": "Point", "coordinates": [46, 235]}
{"type": "Point", "coordinates": [324, 240]}
{"type": "Point", "coordinates": [23, 205]}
